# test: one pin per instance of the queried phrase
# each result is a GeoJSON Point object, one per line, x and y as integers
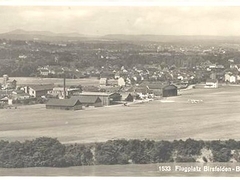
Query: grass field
{"type": "Point", "coordinates": [136, 170]}
{"type": "Point", "coordinates": [216, 117]}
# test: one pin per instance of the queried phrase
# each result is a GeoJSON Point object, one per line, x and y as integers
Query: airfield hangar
{"type": "Point", "coordinates": [169, 90]}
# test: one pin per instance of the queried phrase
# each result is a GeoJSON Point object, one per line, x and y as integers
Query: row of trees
{"type": "Point", "coordinates": [49, 152]}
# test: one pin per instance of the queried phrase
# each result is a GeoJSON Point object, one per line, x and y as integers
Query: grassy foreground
{"type": "Point", "coordinates": [215, 117]}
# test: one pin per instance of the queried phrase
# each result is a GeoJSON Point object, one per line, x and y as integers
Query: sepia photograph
{"type": "Point", "coordinates": [119, 89]}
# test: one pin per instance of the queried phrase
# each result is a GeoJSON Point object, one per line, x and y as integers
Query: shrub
{"type": "Point", "coordinates": [223, 155]}
{"type": "Point", "coordinates": [189, 147]}
{"type": "Point", "coordinates": [185, 159]}
{"type": "Point", "coordinates": [161, 152]}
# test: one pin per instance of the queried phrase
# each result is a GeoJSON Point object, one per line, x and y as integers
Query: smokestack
{"type": "Point", "coordinates": [64, 86]}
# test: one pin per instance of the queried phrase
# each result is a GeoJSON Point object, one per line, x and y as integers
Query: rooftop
{"type": "Point", "coordinates": [211, 81]}
{"type": "Point", "coordinates": [63, 102]}
{"type": "Point", "coordinates": [170, 87]}
{"type": "Point", "coordinates": [87, 99]}
{"type": "Point", "coordinates": [41, 87]}
{"type": "Point", "coordinates": [95, 94]}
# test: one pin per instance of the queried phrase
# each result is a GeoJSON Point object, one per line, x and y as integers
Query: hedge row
{"type": "Point", "coordinates": [49, 152]}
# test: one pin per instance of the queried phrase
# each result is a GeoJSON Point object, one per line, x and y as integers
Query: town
{"type": "Point", "coordinates": [123, 71]}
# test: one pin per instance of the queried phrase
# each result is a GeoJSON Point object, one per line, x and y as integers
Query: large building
{"type": "Point", "coordinates": [8, 84]}
{"type": "Point", "coordinates": [211, 83]}
{"type": "Point", "coordinates": [59, 92]}
{"type": "Point", "coordinates": [106, 98]}
{"type": "Point", "coordinates": [89, 100]}
{"type": "Point", "coordinates": [65, 104]}
{"type": "Point", "coordinates": [169, 90]}
{"type": "Point", "coordinates": [38, 90]}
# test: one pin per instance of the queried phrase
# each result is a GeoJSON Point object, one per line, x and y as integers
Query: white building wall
{"type": "Point", "coordinates": [233, 79]}
{"type": "Point", "coordinates": [121, 82]}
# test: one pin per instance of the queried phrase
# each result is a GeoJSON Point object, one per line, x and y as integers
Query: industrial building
{"type": "Point", "coordinates": [65, 104]}
{"type": "Point", "coordinates": [169, 90]}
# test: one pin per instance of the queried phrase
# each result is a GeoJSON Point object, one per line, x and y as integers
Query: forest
{"type": "Point", "coordinates": [49, 152]}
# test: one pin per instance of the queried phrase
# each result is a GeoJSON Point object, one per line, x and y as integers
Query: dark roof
{"type": "Point", "coordinates": [115, 94]}
{"type": "Point", "coordinates": [90, 88]}
{"type": "Point", "coordinates": [156, 85]}
{"type": "Point", "coordinates": [41, 87]}
{"type": "Point", "coordinates": [63, 102]}
{"type": "Point", "coordinates": [95, 94]}
{"type": "Point", "coordinates": [18, 91]}
{"type": "Point", "coordinates": [87, 99]}
{"type": "Point", "coordinates": [111, 89]}
{"type": "Point", "coordinates": [10, 81]}
{"type": "Point", "coordinates": [153, 85]}
{"type": "Point", "coordinates": [170, 87]}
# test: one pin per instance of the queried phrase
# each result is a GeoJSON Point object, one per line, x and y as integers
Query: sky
{"type": "Point", "coordinates": [129, 19]}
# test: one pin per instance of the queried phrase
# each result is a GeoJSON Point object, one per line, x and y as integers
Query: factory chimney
{"type": "Point", "coordinates": [64, 86]}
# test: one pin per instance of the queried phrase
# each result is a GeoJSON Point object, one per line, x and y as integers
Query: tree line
{"type": "Point", "coordinates": [49, 152]}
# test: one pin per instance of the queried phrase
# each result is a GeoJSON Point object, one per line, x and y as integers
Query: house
{"type": "Point", "coordinates": [117, 75]}
{"type": "Point", "coordinates": [141, 89]}
{"type": "Point", "coordinates": [238, 78]}
{"type": "Point", "coordinates": [169, 90]}
{"type": "Point", "coordinates": [112, 82]}
{"type": "Point", "coordinates": [76, 75]}
{"type": "Point", "coordinates": [227, 77]}
{"type": "Point", "coordinates": [90, 89]}
{"type": "Point", "coordinates": [38, 90]}
{"type": "Point", "coordinates": [64, 104]}
{"type": "Point", "coordinates": [131, 97]}
{"type": "Point", "coordinates": [7, 100]}
{"type": "Point", "coordinates": [55, 70]}
{"type": "Point", "coordinates": [4, 99]}
{"type": "Point", "coordinates": [8, 84]}
{"type": "Point", "coordinates": [106, 98]}
{"type": "Point", "coordinates": [89, 100]}
{"type": "Point", "coordinates": [121, 82]}
{"type": "Point", "coordinates": [115, 97]}
{"type": "Point", "coordinates": [103, 96]}
{"type": "Point", "coordinates": [211, 83]}
{"type": "Point", "coordinates": [233, 79]}
{"type": "Point", "coordinates": [154, 87]}
{"type": "Point", "coordinates": [103, 81]}
{"type": "Point", "coordinates": [20, 95]}
{"type": "Point", "coordinates": [44, 72]}
{"type": "Point", "coordinates": [59, 91]}
{"type": "Point", "coordinates": [110, 89]}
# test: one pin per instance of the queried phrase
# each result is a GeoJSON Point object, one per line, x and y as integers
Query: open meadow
{"type": "Point", "coordinates": [215, 115]}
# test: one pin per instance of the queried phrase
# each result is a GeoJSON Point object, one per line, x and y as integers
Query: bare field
{"type": "Point", "coordinates": [216, 117]}
{"type": "Point", "coordinates": [56, 81]}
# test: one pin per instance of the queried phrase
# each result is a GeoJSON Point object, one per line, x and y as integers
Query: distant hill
{"type": "Point", "coordinates": [170, 38]}
{"type": "Point", "coordinates": [20, 34]}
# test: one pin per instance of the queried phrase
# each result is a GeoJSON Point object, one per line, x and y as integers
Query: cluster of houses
{"type": "Point", "coordinates": [115, 86]}
{"type": "Point", "coordinates": [74, 97]}
{"type": "Point", "coordinates": [58, 71]}
{"type": "Point", "coordinates": [113, 76]}
{"type": "Point", "coordinates": [231, 77]}
{"type": "Point", "coordinates": [100, 99]}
